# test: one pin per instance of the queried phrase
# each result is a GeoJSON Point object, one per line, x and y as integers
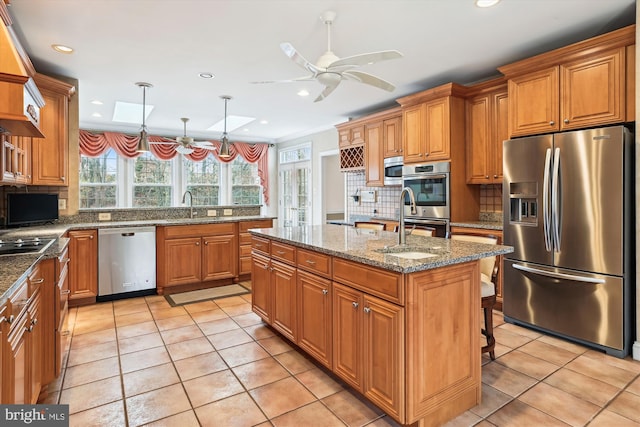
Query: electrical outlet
{"type": "Point", "coordinates": [62, 204]}
{"type": "Point", "coordinates": [227, 212]}
{"type": "Point", "coordinates": [104, 216]}
{"type": "Point", "coordinates": [212, 212]}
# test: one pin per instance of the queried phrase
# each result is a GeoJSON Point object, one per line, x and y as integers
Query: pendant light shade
{"type": "Point", "coordinates": [143, 141]}
{"type": "Point", "coordinates": [224, 142]}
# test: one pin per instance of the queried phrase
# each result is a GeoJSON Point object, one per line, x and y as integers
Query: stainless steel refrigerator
{"type": "Point", "coordinates": [569, 214]}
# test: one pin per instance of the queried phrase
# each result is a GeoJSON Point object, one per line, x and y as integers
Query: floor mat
{"type": "Point", "coordinates": [206, 294]}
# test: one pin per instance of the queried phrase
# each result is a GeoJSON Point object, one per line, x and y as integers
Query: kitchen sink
{"type": "Point", "coordinates": [411, 252]}
{"type": "Point", "coordinates": [412, 255]}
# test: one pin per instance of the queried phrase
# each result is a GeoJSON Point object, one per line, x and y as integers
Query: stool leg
{"type": "Point", "coordinates": [488, 324]}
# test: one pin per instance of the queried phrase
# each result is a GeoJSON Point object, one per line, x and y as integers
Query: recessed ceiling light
{"type": "Point", "coordinates": [96, 102]}
{"type": "Point", "coordinates": [264, 122]}
{"type": "Point", "coordinates": [62, 48]}
{"type": "Point", "coordinates": [245, 129]}
{"type": "Point", "coordinates": [97, 115]}
{"type": "Point", "coordinates": [303, 92]}
{"type": "Point", "coordinates": [487, 3]}
{"type": "Point", "coordinates": [206, 75]}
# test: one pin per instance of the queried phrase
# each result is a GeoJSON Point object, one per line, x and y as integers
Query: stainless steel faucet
{"type": "Point", "coordinates": [402, 236]}
{"type": "Point", "coordinates": [184, 199]}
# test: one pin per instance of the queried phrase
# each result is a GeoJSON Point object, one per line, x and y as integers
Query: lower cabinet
{"type": "Point", "coordinates": [283, 287]}
{"type": "Point", "coordinates": [314, 316]}
{"type": "Point", "coordinates": [261, 287]}
{"type": "Point", "coordinates": [244, 244]}
{"type": "Point", "coordinates": [83, 267]}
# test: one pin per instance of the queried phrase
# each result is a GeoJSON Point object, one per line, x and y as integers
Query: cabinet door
{"type": "Point", "coordinates": [392, 137]}
{"type": "Point", "coordinates": [35, 348]}
{"type": "Point", "coordinates": [499, 133]}
{"type": "Point", "coordinates": [83, 266]}
{"type": "Point", "coordinates": [534, 103]}
{"type": "Point", "coordinates": [357, 135]}
{"type": "Point", "coordinates": [18, 382]}
{"type": "Point", "coordinates": [261, 287]}
{"type": "Point", "coordinates": [438, 130]}
{"type": "Point", "coordinates": [7, 157]}
{"type": "Point", "coordinates": [478, 139]}
{"type": "Point", "coordinates": [592, 91]}
{"type": "Point", "coordinates": [219, 257]}
{"type": "Point", "coordinates": [413, 119]}
{"type": "Point", "coordinates": [314, 316]}
{"type": "Point", "coordinates": [50, 154]}
{"type": "Point", "coordinates": [374, 169]}
{"type": "Point", "coordinates": [22, 159]}
{"type": "Point", "coordinates": [348, 359]}
{"type": "Point", "coordinates": [384, 355]}
{"type": "Point", "coordinates": [344, 137]}
{"type": "Point", "coordinates": [283, 291]}
{"type": "Point", "coordinates": [183, 262]}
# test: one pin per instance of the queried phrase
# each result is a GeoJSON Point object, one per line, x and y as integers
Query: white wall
{"type": "Point", "coordinates": [332, 184]}
{"type": "Point", "coordinates": [320, 143]}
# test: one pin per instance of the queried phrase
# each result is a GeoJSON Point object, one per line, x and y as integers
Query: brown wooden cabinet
{"type": "Point", "coordinates": [15, 159]}
{"type": "Point", "coordinates": [61, 296]}
{"type": "Point", "coordinates": [18, 362]}
{"type": "Point", "coordinates": [392, 136]}
{"type": "Point", "coordinates": [261, 286]}
{"type": "Point", "coordinates": [50, 155]}
{"type": "Point", "coordinates": [314, 316]}
{"type": "Point", "coordinates": [487, 232]}
{"type": "Point", "coordinates": [431, 124]}
{"type": "Point", "coordinates": [577, 86]}
{"type": "Point", "coordinates": [83, 267]}
{"type": "Point", "coordinates": [283, 292]}
{"type": "Point", "coordinates": [244, 244]}
{"type": "Point", "coordinates": [351, 135]}
{"type": "Point", "coordinates": [194, 254]}
{"type": "Point", "coordinates": [4, 351]}
{"type": "Point", "coordinates": [373, 156]}
{"type": "Point", "coordinates": [486, 127]}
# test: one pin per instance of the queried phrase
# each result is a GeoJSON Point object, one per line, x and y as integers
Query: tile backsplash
{"type": "Point", "coordinates": [388, 199]}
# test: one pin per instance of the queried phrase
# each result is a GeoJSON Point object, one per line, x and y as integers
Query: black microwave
{"type": "Point", "coordinates": [31, 208]}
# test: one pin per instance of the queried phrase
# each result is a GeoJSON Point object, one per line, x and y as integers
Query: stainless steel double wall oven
{"type": "Point", "coordinates": [430, 183]}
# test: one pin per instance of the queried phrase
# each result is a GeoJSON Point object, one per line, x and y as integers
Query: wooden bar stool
{"type": "Point", "coordinates": [370, 225]}
{"type": "Point", "coordinates": [418, 231]}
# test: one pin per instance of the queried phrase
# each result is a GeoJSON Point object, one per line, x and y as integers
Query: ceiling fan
{"type": "Point", "coordinates": [330, 70]}
{"type": "Point", "coordinates": [186, 144]}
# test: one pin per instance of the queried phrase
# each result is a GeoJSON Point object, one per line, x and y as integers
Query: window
{"type": "Point", "coordinates": [111, 181]}
{"type": "Point", "coordinates": [152, 179]}
{"type": "Point", "coordinates": [245, 183]}
{"type": "Point", "coordinates": [98, 181]}
{"type": "Point", "coordinates": [203, 180]}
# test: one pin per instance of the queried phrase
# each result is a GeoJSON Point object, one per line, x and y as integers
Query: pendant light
{"type": "Point", "coordinates": [143, 141]}
{"type": "Point", "coordinates": [224, 146]}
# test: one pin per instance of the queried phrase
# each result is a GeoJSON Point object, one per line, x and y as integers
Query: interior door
{"type": "Point", "coordinates": [295, 194]}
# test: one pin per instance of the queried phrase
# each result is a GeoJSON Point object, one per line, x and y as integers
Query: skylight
{"type": "Point", "coordinates": [233, 123]}
{"type": "Point", "coordinates": [126, 112]}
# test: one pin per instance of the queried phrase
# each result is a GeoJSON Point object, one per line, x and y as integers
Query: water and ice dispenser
{"type": "Point", "coordinates": [523, 203]}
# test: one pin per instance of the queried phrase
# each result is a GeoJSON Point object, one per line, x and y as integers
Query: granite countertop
{"type": "Point", "coordinates": [487, 225]}
{"type": "Point", "coordinates": [14, 269]}
{"type": "Point", "coordinates": [371, 247]}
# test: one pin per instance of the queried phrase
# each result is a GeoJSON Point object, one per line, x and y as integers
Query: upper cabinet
{"type": "Point", "coordinates": [573, 87]}
{"type": "Point", "coordinates": [392, 136]}
{"type": "Point", "coordinates": [486, 128]}
{"type": "Point", "coordinates": [50, 154]}
{"type": "Point", "coordinates": [433, 123]}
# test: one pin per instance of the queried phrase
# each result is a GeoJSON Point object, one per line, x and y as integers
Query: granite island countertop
{"type": "Point", "coordinates": [373, 247]}
{"type": "Point", "coordinates": [14, 269]}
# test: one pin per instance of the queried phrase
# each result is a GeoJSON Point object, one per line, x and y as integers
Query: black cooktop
{"type": "Point", "coordinates": [31, 245]}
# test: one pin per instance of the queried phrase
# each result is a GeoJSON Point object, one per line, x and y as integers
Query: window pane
{"type": "Point", "coordinates": [155, 175]}
{"type": "Point", "coordinates": [98, 179]}
{"type": "Point", "coordinates": [203, 180]}
{"type": "Point", "coordinates": [245, 183]}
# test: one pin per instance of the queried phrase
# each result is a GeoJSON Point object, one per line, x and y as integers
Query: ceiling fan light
{"type": "Point", "coordinates": [143, 142]}
{"type": "Point", "coordinates": [184, 150]}
{"type": "Point", "coordinates": [224, 147]}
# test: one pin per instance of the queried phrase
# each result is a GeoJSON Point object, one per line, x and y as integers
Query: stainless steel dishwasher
{"type": "Point", "coordinates": [126, 262]}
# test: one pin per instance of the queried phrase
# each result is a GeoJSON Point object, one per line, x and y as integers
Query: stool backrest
{"type": "Point", "coordinates": [488, 264]}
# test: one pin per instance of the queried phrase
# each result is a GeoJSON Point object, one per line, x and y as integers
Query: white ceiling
{"type": "Point", "coordinates": [168, 42]}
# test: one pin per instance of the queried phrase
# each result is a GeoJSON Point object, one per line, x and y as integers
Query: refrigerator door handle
{"type": "Point", "coordinates": [556, 275]}
{"type": "Point", "coordinates": [555, 204]}
{"type": "Point", "coordinates": [546, 218]}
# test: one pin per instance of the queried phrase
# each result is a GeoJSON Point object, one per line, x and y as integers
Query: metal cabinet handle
{"type": "Point", "coordinates": [91, 237]}
{"type": "Point", "coordinates": [310, 262]}
{"type": "Point", "coordinates": [34, 321]}
{"type": "Point", "coordinates": [486, 176]}
{"type": "Point", "coordinates": [29, 329]}
{"type": "Point", "coordinates": [566, 121]}
{"type": "Point", "coordinates": [11, 319]}
{"type": "Point", "coordinates": [355, 304]}
{"type": "Point", "coordinates": [63, 178]}
{"type": "Point", "coordinates": [37, 281]}
{"type": "Point", "coordinates": [206, 243]}
{"type": "Point", "coordinates": [197, 243]}
{"type": "Point", "coordinates": [551, 123]}
{"type": "Point", "coordinates": [65, 292]}
{"type": "Point", "coordinates": [367, 310]}
{"type": "Point", "coordinates": [280, 252]}
{"type": "Point", "coordinates": [495, 176]}
{"type": "Point", "coordinates": [64, 260]}
{"type": "Point", "coordinates": [65, 333]}
{"type": "Point", "coordinates": [325, 292]}
{"type": "Point", "coordinates": [258, 245]}
{"type": "Point", "coordinates": [266, 267]}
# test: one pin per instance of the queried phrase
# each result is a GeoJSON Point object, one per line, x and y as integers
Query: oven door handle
{"type": "Point", "coordinates": [410, 221]}
{"type": "Point", "coordinates": [424, 176]}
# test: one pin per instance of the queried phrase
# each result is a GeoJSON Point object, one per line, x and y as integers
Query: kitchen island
{"type": "Point", "coordinates": [401, 325]}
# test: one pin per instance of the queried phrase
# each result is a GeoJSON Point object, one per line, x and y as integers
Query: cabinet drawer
{"type": "Point", "coordinates": [382, 283]}
{"type": "Point", "coordinates": [259, 244]}
{"type": "Point", "coordinates": [199, 230]}
{"type": "Point", "coordinates": [245, 250]}
{"type": "Point", "coordinates": [36, 279]}
{"type": "Point", "coordinates": [314, 262]}
{"type": "Point", "coordinates": [18, 300]}
{"type": "Point", "coordinates": [283, 252]}
{"type": "Point", "coordinates": [245, 239]}
{"type": "Point", "coordinates": [261, 223]}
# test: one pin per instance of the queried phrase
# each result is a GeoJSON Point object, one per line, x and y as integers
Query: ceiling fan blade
{"type": "Point", "coordinates": [163, 143]}
{"type": "Point", "coordinates": [327, 90]}
{"type": "Point", "coordinates": [369, 79]}
{"type": "Point", "coordinates": [299, 79]}
{"type": "Point", "coordinates": [184, 150]}
{"type": "Point", "coordinates": [365, 58]}
{"type": "Point", "coordinates": [292, 53]}
{"type": "Point", "coordinates": [202, 144]}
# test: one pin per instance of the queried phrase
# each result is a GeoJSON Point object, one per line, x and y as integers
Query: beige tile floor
{"type": "Point", "coordinates": [142, 362]}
